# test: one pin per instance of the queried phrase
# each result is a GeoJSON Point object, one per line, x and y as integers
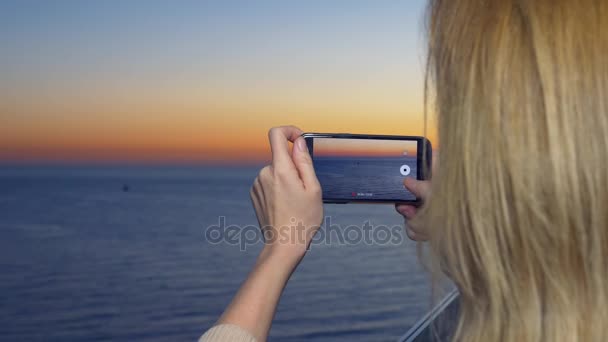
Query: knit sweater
{"type": "Point", "coordinates": [227, 332]}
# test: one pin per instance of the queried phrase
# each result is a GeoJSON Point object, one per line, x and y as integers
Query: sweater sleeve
{"type": "Point", "coordinates": [227, 333]}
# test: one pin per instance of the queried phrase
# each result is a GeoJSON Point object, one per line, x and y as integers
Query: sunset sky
{"type": "Point", "coordinates": [364, 148]}
{"type": "Point", "coordinates": [202, 81]}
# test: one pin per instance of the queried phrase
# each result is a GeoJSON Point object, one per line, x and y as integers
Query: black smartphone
{"type": "Point", "coordinates": [368, 168]}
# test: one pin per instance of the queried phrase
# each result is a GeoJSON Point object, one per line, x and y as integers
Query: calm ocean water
{"type": "Point", "coordinates": [379, 176]}
{"type": "Point", "coordinates": [83, 260]}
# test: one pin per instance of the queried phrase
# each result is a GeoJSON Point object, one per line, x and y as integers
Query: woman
{"type": "Point", "coordinates": [518, 215]}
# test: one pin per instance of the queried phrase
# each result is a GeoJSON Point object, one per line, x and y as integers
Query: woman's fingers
{"type": "Point", "coordinates": [408, 211]}
{"type": "Point", "coordinates": [415, 235]}
{"type": "Point", "coordinates": [285, 164]}
{"type": "Point", "coordinates": [279, 138]}
{"type": "Point", "coordinates": [419, 188]}
{"type": "Point", "coordinates": [303, 162]}
{"type": "Point", "coordinates": [411, 234]}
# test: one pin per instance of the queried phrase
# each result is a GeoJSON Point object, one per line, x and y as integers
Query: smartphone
{"type": "Point", "coordinates": [368, 168]}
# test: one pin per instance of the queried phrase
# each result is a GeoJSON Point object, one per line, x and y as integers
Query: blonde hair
{"type": "Point", "coordinates": [518, 212]}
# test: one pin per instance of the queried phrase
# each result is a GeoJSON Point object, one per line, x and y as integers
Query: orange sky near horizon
{"type": "Point", "coordinates": [149, 131]}
{"type": "Point", "coordinates": [364, 148]}
{"type": "Point", "coordinates": [125, 83]}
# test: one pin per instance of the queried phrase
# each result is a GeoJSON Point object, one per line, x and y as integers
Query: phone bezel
{"type": "Point", "coordinates": [424, 153]}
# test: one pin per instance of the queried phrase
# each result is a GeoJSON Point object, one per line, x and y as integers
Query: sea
{"type": "Point", "coordinates": [378, 178]}
{"type": "Point", "coordinates": [141, 253]}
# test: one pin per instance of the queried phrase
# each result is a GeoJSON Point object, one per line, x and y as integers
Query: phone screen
{"type": "Point", "coordinates": [351, 169]}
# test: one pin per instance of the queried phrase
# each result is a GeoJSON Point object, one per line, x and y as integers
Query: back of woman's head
{"type": "Point", "coordinates": [518, 214]}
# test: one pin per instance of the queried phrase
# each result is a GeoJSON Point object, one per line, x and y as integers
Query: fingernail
{"type": "Point", "coordinates": [301, 144]}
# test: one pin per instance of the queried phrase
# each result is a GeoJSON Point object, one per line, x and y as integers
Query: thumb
{"type": "Point", "coordinates": [419, 188]}
{"type": "Point", "coordinates": [303, 162]}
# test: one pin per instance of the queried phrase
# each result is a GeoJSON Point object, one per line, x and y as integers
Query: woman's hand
{"type": "Point", "coordinates": [422, 190]}
{"type": "Point", "coordinates": [286, 196]}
